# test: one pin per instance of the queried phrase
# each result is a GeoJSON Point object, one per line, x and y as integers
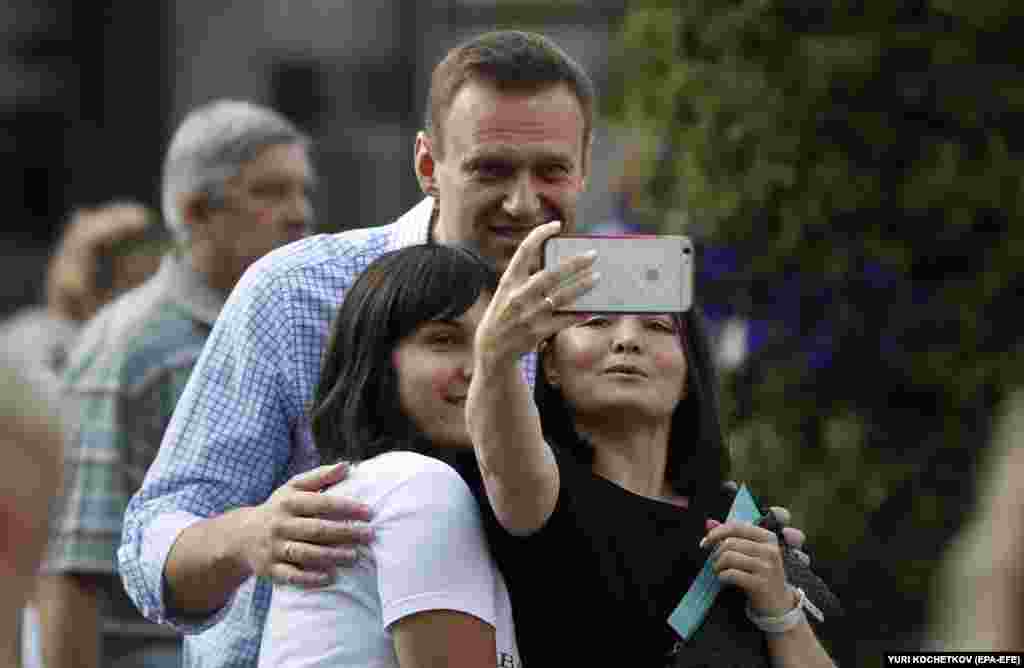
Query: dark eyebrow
{"type": "Point", "coordinates": [477, 161]}
{"type": "Point", "coordinates": [512, 157]}
{"type": "Point", "coordinates": [556, 158]}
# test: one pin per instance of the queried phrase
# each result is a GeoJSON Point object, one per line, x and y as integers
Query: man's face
{"type": "Point", "coordinates": [267, 206]}
{"type": "Point", "coordinates": [512, 161]}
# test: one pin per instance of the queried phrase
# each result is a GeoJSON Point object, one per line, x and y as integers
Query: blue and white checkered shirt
{"type": "Point", "coordinates": [240, 429]}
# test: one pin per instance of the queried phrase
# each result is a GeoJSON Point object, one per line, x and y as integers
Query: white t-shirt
{"type": "Point", "coordinates": [429, 553]}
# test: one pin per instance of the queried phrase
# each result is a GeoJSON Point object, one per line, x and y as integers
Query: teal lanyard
{"type": "Point", "coordinates": [692, 610]}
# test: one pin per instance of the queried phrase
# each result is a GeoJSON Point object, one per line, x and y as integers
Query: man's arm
{"type": "Point", "coordinates": [72, 289]}
{"type": "Point", "coordinates": [285, 539]}
{"type": "Point", "coordinates": [205, 519]}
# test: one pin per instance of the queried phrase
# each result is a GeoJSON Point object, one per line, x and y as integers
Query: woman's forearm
{"type": "Point", "coordinates": [503, 421]}
{"type": "Point", "coordinates": [798, 648]}
{"type": "Point", "coordinates": [518, 468]}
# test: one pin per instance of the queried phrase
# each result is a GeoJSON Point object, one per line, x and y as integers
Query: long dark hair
{"type": "Point", "coordinates": [356, 412]}
{"type": "Point", "coordinates": [698, 459]}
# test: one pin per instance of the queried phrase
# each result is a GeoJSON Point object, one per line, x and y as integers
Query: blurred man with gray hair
{"type": "Point", "coordinates": [236, 185]}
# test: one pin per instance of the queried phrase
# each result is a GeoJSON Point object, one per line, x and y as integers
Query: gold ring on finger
{"type": "Point", "coordinates": [550, 301]}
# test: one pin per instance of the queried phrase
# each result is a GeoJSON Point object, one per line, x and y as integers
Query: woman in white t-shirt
{"type": "Point", "coordinates": [391, 400]}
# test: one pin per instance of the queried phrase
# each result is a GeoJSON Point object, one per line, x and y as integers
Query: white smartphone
{"type": "Point", "coordinates": [639, 274]}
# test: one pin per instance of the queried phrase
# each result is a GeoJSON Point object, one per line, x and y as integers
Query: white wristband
{"type": "Point", "coordinates": [783, 623]}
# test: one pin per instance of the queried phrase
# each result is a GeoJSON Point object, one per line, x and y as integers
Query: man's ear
{"type": "Point", "coordinates": [195, 209]}
{"type": "Point", "coordinates": [425, 164]}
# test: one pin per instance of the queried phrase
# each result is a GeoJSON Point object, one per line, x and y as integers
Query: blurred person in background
{"type": "Point", "coordinates": [30, 440]}
{"type": "Point", "coordinates": [236, 185]}
{"type": "Point", "coordinates": [103, 251]}
{"type": "Point", "coordinates": [979, 598]}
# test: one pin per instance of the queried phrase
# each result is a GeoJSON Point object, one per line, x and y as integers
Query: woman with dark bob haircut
{"type": "Point", "coordinates": [357, 413]}
{"type": "Point", "coordinates": [605, 487]}
{"type": "Point", "coordinates": [391, 401]}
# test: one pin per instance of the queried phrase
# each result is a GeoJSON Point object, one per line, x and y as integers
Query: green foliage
{"type": "Point", "coordinates": [873, 151]}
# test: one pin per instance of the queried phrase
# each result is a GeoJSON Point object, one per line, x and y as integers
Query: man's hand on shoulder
{"type": "Point", "coordinates": [299, 536]}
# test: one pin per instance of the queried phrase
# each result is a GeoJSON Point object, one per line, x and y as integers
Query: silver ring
{"type": "Point", "coordinates": [550, 301]}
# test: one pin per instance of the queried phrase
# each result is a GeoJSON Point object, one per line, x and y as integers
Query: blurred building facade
{"type": "Point", "coordinates": [90, 91]}
{"type": "Point", "coordinates": [82, 114]}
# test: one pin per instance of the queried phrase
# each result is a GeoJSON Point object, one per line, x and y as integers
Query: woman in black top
{"type": "Point", "coordinates": [598, 500]}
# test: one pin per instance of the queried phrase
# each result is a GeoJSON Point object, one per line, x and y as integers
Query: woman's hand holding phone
{"type": "Point", "coordinates": [525, 309]}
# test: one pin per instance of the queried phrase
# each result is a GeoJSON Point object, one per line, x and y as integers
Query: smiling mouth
{"type": "Point", "coordinates": [510, 232]}
{"type": "Point", "coordinates": [519, 229]}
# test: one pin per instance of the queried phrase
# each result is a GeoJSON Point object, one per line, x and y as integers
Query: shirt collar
{"type": "Point", "coordinates": [188, 289]}
{"type": "Point", "coordinates": [414, 226]}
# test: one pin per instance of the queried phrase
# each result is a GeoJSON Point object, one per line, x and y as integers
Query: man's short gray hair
{"type": "Point", "coordinates": [210, 147]}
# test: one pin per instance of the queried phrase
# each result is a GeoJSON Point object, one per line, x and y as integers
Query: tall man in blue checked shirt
{"type": "Point", "coordinates": [506, 147]}
{"type": "Point", "coordinates": [236, 185]}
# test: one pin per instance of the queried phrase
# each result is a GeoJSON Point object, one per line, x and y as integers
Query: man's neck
{"type": "Point", "coordinates": [216, 274]}
{"type": "Point", "coordinates": [432, 225]}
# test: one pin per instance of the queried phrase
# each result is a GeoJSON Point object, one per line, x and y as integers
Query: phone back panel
{"type": "Point", "coordinates": [639, 274]}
